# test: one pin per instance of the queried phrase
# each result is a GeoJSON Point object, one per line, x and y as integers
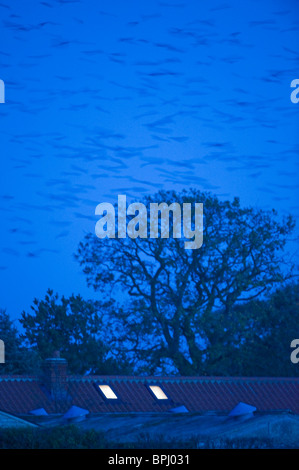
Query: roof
{"type": "Point", "coordinates": [20, 394]}
{"type": "Point", "coordinates": [8, 420]}
{"type": "Point", "coordinates": [195, 429]}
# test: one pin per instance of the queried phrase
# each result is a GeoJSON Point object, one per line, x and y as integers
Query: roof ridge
{"type": "Point", "coordinates": [181, 379]}
{"type": "Point", "coordinates": [156, 379]}
{"type": "Point", "coordinates": [17, 378]}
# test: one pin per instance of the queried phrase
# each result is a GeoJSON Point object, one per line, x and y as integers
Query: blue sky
{"type": "Point", "coordinates": [106, 98]}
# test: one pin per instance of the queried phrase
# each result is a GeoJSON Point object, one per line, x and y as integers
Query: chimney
{"type": "Point", "coordinates": [55, 376]}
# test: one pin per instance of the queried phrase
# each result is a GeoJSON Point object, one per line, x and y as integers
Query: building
{"type": "Point", "coordinates": [125, 409]}
{"type": "Point", "coordinates": [56, 392]}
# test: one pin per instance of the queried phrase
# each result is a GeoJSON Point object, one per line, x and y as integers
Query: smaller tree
{"type": "Point", "coordinates": [278, 323]}
{"type": "Point", "coordinates": [18, 359]}
{"type": "Point", "coordinates": [76, 328]}
{"type": "Point", "coordinates": [255, 339]}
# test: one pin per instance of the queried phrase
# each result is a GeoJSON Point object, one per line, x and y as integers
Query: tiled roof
{"type": "Point", "coordinates": [20, 395]}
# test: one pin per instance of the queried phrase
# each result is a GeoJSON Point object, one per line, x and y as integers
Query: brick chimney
{"type": "Point", "coordinates": [55, 376]}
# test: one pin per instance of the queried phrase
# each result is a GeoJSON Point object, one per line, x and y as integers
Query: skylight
{"type": "Point", "coordinates": [108, 392]}
{"type": "Point", "coordinates": [158, 392]}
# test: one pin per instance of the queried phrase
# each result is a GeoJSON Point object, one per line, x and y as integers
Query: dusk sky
{"type": "Point", "coordinates": [130, 97]}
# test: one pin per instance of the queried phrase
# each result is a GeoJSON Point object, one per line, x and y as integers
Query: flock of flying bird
{"type": "Point", "coordinates": [107, 98]}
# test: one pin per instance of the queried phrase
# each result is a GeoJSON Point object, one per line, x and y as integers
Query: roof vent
{"type": "Point", "coordinates": [39, 412]}
{"type": "Point", "coordinates": [242, 410]}
{"type": "Point", "coordinates": [179, 409]}
{"type": "Point", "coordinates": [75, 414]}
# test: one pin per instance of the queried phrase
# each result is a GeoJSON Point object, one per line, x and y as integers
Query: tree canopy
{"type": "Point", "coordinates": [18, 359]}
{"type": "Point", "coordinates": [74, 327]}
{"type": "Point", "coordinates": [169, 307]}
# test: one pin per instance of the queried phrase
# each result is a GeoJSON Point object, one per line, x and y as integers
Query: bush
{"type": "Point", "coordinates": [64, 437]}
{"type": "Point", "coordinates": [72, 437]}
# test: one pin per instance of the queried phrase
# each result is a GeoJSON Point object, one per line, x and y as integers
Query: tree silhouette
{"type": "Point", "coordinates": [74, 327]}
{"type": "Point", "coordinates": [164, 299]}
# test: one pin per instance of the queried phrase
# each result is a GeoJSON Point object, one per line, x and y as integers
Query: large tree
{"type": "Point", "coordinates": [74, 327]}
{"type": "Point", "coordinates": [164, 299]}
